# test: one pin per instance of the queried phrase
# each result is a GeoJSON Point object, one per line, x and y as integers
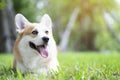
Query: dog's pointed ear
{"type": "Point", "coordinates": [46, 20]}
{"type": "Point", "coordinates": [20, 22]}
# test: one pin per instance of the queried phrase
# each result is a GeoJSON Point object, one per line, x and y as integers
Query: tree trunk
{"type": "Point", "coordinates": [65, 36]}
{"type": "Point", "coordinates": [87, 34]}
{"type": "Point", "coordinates": [109, 27]}
{"type": "Point", "coordinates": [7, 28]}
{"type": "Point", "coordinates": [87, 41]}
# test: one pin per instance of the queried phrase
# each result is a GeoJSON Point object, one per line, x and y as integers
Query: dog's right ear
{"type": "Point", "coordinates": [20, 22]}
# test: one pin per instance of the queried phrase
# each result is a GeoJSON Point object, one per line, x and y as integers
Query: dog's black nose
{"type": "Point", "coordinates": [45, 39]}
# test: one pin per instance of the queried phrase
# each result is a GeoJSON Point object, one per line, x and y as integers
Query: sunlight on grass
{"type": "Point", "coordinates": [83, 66]}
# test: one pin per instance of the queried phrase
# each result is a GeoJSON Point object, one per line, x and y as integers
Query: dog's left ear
{"type": "Point", "coordinates": [20, 22]}
{"type": "Point", "coordinates": [46, 20]}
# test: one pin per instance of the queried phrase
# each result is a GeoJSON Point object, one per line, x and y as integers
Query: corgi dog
{"type": "Point", "coordinates": [35, 48]}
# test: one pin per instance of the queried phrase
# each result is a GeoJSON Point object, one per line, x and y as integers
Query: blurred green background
{"type": "Point", "coordinates": [78, 25]}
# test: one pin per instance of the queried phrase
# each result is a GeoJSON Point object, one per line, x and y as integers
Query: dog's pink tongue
{"type": "Point", "coordinates": [43, 52]}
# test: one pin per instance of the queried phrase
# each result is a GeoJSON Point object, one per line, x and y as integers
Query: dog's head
{"type": "Point", "coordinates": [34, 36]}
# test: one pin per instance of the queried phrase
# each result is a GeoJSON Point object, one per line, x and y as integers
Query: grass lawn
{"type": "Point", "coordinates": [73, 66]}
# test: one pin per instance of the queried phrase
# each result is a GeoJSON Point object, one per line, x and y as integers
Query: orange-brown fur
{"type": "Point", "coordinates": [16, 51]}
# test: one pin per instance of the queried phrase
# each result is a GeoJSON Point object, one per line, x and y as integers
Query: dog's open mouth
{"type": "Point", "coordinates": [40, 48]}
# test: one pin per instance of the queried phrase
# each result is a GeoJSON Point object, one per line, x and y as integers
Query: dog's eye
{"type": "Point", "coordinates": [46, 32]}
{"type": "Point", "coordinates": [35, 32]}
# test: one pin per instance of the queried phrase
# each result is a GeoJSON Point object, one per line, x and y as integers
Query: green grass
{"type": "Point", "coordinates": [73, 66]}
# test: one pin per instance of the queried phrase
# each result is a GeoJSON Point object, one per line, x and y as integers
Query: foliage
{"type": "Point", "coordinates": [77, 66]}
{"type": "Point", "coordinates": [90, 22]}
{"type": "Point", "coordinates": [2, 5]}
{"type": "Point", "coordinates": [89, 31]}
{"type": "Point", "coordinates": [27, 8]}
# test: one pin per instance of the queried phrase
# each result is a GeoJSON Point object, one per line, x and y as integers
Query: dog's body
{"type": "Point", "coordinates": [35, 48]}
